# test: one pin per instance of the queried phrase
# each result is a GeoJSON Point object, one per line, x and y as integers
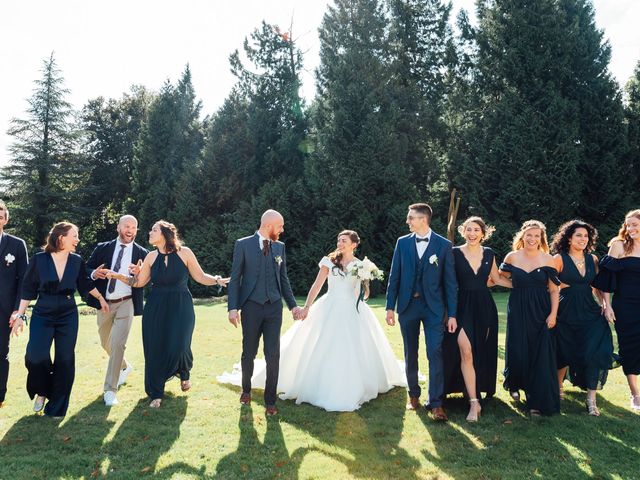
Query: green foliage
{"type": "Point", "coordinates": [46, 169]}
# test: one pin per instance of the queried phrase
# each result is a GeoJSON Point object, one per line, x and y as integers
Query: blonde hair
{"type": "Point", "coordinates": [487, 230]}
{"type": "Point", "coordinates": [623, 234]}
{"type": "Point", "coordinates": [518, 239]}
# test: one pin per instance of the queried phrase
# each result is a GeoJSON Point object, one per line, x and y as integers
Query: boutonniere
{"type": "Point", "coordinates": [278, 259]}
{"type": "Point", "coordinates": [9, 259]}
{"type": "Point", "coordinates": [433, 260]}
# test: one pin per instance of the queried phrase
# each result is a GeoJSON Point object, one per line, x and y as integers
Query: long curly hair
{"type": "Point", "coordinates": [487, 230]}
{"type": "Point", "coordinates": [518, 239]}
{"type": "Point", "coordinates": [623, 234]}
{"type": "Point", "coordinates": [171, 237]}
{"type": "Point", "coordinates": [560, 241]}
{"type": "Point", "coordinates": [336, 255]}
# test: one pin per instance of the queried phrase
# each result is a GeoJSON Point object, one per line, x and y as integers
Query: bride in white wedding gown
{"type": "Point", "coordinates": [338, 357]}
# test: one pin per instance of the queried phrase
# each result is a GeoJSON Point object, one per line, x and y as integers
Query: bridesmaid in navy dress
{"type": "Point", "coordinates": [52, 279]}
{"type": "Point", "coordinates": [530, 357]}
{"type": "Point", "coordinates": [620, 274]}
{"type": "Point", "coordinates": [471, 352]}
{"type": "Point", "coordinates": [584, 344]}
{"type": "Point", "coordinates": [168, 318]}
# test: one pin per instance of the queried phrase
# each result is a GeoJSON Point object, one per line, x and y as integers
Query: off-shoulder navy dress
{"type": "Point", "coordinates": [621, 276]}
{"type": "Point", "coordinates": [530, 356]}
{"type": "Point", "coordinates": [478, 316]}
{"type": "Point", "coordinates": [583, 336]}
{"type": "Point", "coordinates": [54, 320]}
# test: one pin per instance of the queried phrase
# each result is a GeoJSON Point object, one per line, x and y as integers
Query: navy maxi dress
{"type": "Point", "coordinates": [478, 316]}
{"type": "Point", "coordinates": [168, 320]}
{"type": "Point", "coordinates": [530, 356]}
{"type": "Point", "coordinates": [583, 337]}
{"type": "Point", "coordinates": [621, 276]}
{"type": "Point", "coordinates": [54, 320]}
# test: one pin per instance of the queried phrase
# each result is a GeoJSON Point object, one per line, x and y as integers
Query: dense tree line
{"type": "Point", "coordinates": [518, 112]}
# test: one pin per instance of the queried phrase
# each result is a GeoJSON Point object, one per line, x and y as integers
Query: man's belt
{"type": "Point", "coordinates": [118, 300]}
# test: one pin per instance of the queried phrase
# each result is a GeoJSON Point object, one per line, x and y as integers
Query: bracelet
{"type": "Point", "coordinates": [23, 317]}
{"type": "Point", "coordinates": [132, 280]}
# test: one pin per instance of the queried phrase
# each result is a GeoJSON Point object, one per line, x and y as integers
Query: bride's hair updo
{"type": "Point", "coordinates": [336, 255]}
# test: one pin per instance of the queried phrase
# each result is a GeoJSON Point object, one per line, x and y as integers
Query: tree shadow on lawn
{"type": "Point", "coordinates": [253, 459]}
{"type": "Point", "coordinates": [144, 436]}
{"type": "Point", "coordinates": [369, 438]}
{"type": "Point", "coordinates": [507, 443]}
{"type": "Point", "coordinates": [41, 447]}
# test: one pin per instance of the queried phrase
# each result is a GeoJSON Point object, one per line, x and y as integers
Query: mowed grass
{"type": "Point", "coordinates": [207, 434]}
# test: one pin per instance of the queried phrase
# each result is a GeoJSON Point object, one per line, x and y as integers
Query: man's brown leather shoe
{"type": "Point", "coordinates": [245, 398]}
{"type": "Point", "coordinates": [413, 403]}
{"type": "Point", "coordinates": [438, 414]}
{"type": "Point", "coordinates": [271, 411]}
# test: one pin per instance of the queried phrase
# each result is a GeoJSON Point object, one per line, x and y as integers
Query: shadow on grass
{"type": "Point", "coordinates": [144, 436]}
{"type": "Point", "coordinates": [40, 447]}
{"type": "Point", "coordinates": [255, 459]}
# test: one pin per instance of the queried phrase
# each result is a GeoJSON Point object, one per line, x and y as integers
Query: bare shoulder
{"type": "Point", "coordinates": [616, 249]}
{"type": "Point", "coordinates": [151, 256]}
{"type": "Point", "coordinates": [510, 257]}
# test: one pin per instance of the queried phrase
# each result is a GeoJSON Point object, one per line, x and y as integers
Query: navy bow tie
{"type": "Point", "coordinates": [425, 239]}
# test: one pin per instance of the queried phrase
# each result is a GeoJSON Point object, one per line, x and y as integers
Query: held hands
{"type": "Point", "coordinates": [391, 318]}
{"type": "Point", "coordinates": [101, 273]}
{"type": "Point", "coordinates": [297, 313]}
{"type": "Point", "coordinates": [304, 311]}
{"type": "Point", "coordinates": [452, 325]}
{"type": "Point", "coordinates": [134, 269]}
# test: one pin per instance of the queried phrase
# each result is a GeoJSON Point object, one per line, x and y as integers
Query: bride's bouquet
{"type": "Point", "coordinates": [365, 271]}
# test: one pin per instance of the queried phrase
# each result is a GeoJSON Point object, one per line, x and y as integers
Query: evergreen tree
{"type": "Point", "coordinates": [530, 148]}
{"type": "Point", "coordinates": [45, 170]}
{"type": "Point", "coordinates": [632, 114]}
{"type": "Point", "coordinates": [169, 145]}
{"type": "Point", "coordinates": [112, 128]}
{"type": "Point", "coordinates": [358, 175]}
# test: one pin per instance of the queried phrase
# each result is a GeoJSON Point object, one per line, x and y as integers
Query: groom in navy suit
{"type": "Point", "coordinates": [13, 265]}
{"type": "Point", "coordinates": [423, 289]}
{"type": "Point", "coordinates": [258, 285]}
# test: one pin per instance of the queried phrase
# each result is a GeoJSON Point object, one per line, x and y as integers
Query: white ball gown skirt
{"type": "Point", "coordinates": [336, 359]}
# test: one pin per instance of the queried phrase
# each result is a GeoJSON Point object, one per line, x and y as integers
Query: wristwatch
{"type": "Point", "coordinates": [22, 317]}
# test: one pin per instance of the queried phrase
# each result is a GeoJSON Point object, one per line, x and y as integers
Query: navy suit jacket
{"type": "Point", "coordinates": [11, 273]}
{"type": "Point", "coordinates": [244, 272]}
{"type": "Point", "coordinates": [439, 283]}
{"type": "Point", "coordinates": [103, 253]}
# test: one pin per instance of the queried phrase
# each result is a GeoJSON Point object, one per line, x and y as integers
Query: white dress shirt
{"type": "Point", "coordinates": [421, 247]}
{"type": "Point", "coordinates": [261, 240]}
{"type": "Point", "coordinates": [122, 289]}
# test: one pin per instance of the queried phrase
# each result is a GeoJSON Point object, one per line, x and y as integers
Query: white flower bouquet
{"type": "Point", "coordinates": [365, 271]}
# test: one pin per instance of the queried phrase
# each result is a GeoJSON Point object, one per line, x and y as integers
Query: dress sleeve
{"type": "Point", "coordinates": [505, 267]}
{"type": "Point", "coordinates": [552, 274]}
{"type": "Point", "coordinates": [606, 280]}
{"type": "Point", "coordinates": [84, 282]}
{"type": "Point", "coordinates": [325, 262]}
{"type": "Point", "coordinates": [30, 281]}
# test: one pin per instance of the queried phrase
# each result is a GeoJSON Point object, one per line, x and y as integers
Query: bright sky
{"type": "Point", "coordinates": [104, 47]}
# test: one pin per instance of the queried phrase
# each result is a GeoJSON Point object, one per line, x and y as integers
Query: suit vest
{"type": "Point", "coordinates": [266, 289]}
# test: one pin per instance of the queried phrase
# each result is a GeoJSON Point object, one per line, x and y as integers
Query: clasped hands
{"type": "Point", "coordinates": [297, 313]}
{"type": "Point", "coordinates": [105, 273]}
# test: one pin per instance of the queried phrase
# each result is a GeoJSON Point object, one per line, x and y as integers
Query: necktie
{"type": "Point", "coordinates": [266, 245]}
{"type": "Point", "coordinates": [425, 239]}
{"type": "Point", "coordinates": [112, 283]}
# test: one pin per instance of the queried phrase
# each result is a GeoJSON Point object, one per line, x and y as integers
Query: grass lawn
{"type": "Point", "coordinates": [206, 434]}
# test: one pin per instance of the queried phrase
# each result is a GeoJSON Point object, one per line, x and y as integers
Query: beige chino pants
{"type": "Point", "coordinates": [114, 328]}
